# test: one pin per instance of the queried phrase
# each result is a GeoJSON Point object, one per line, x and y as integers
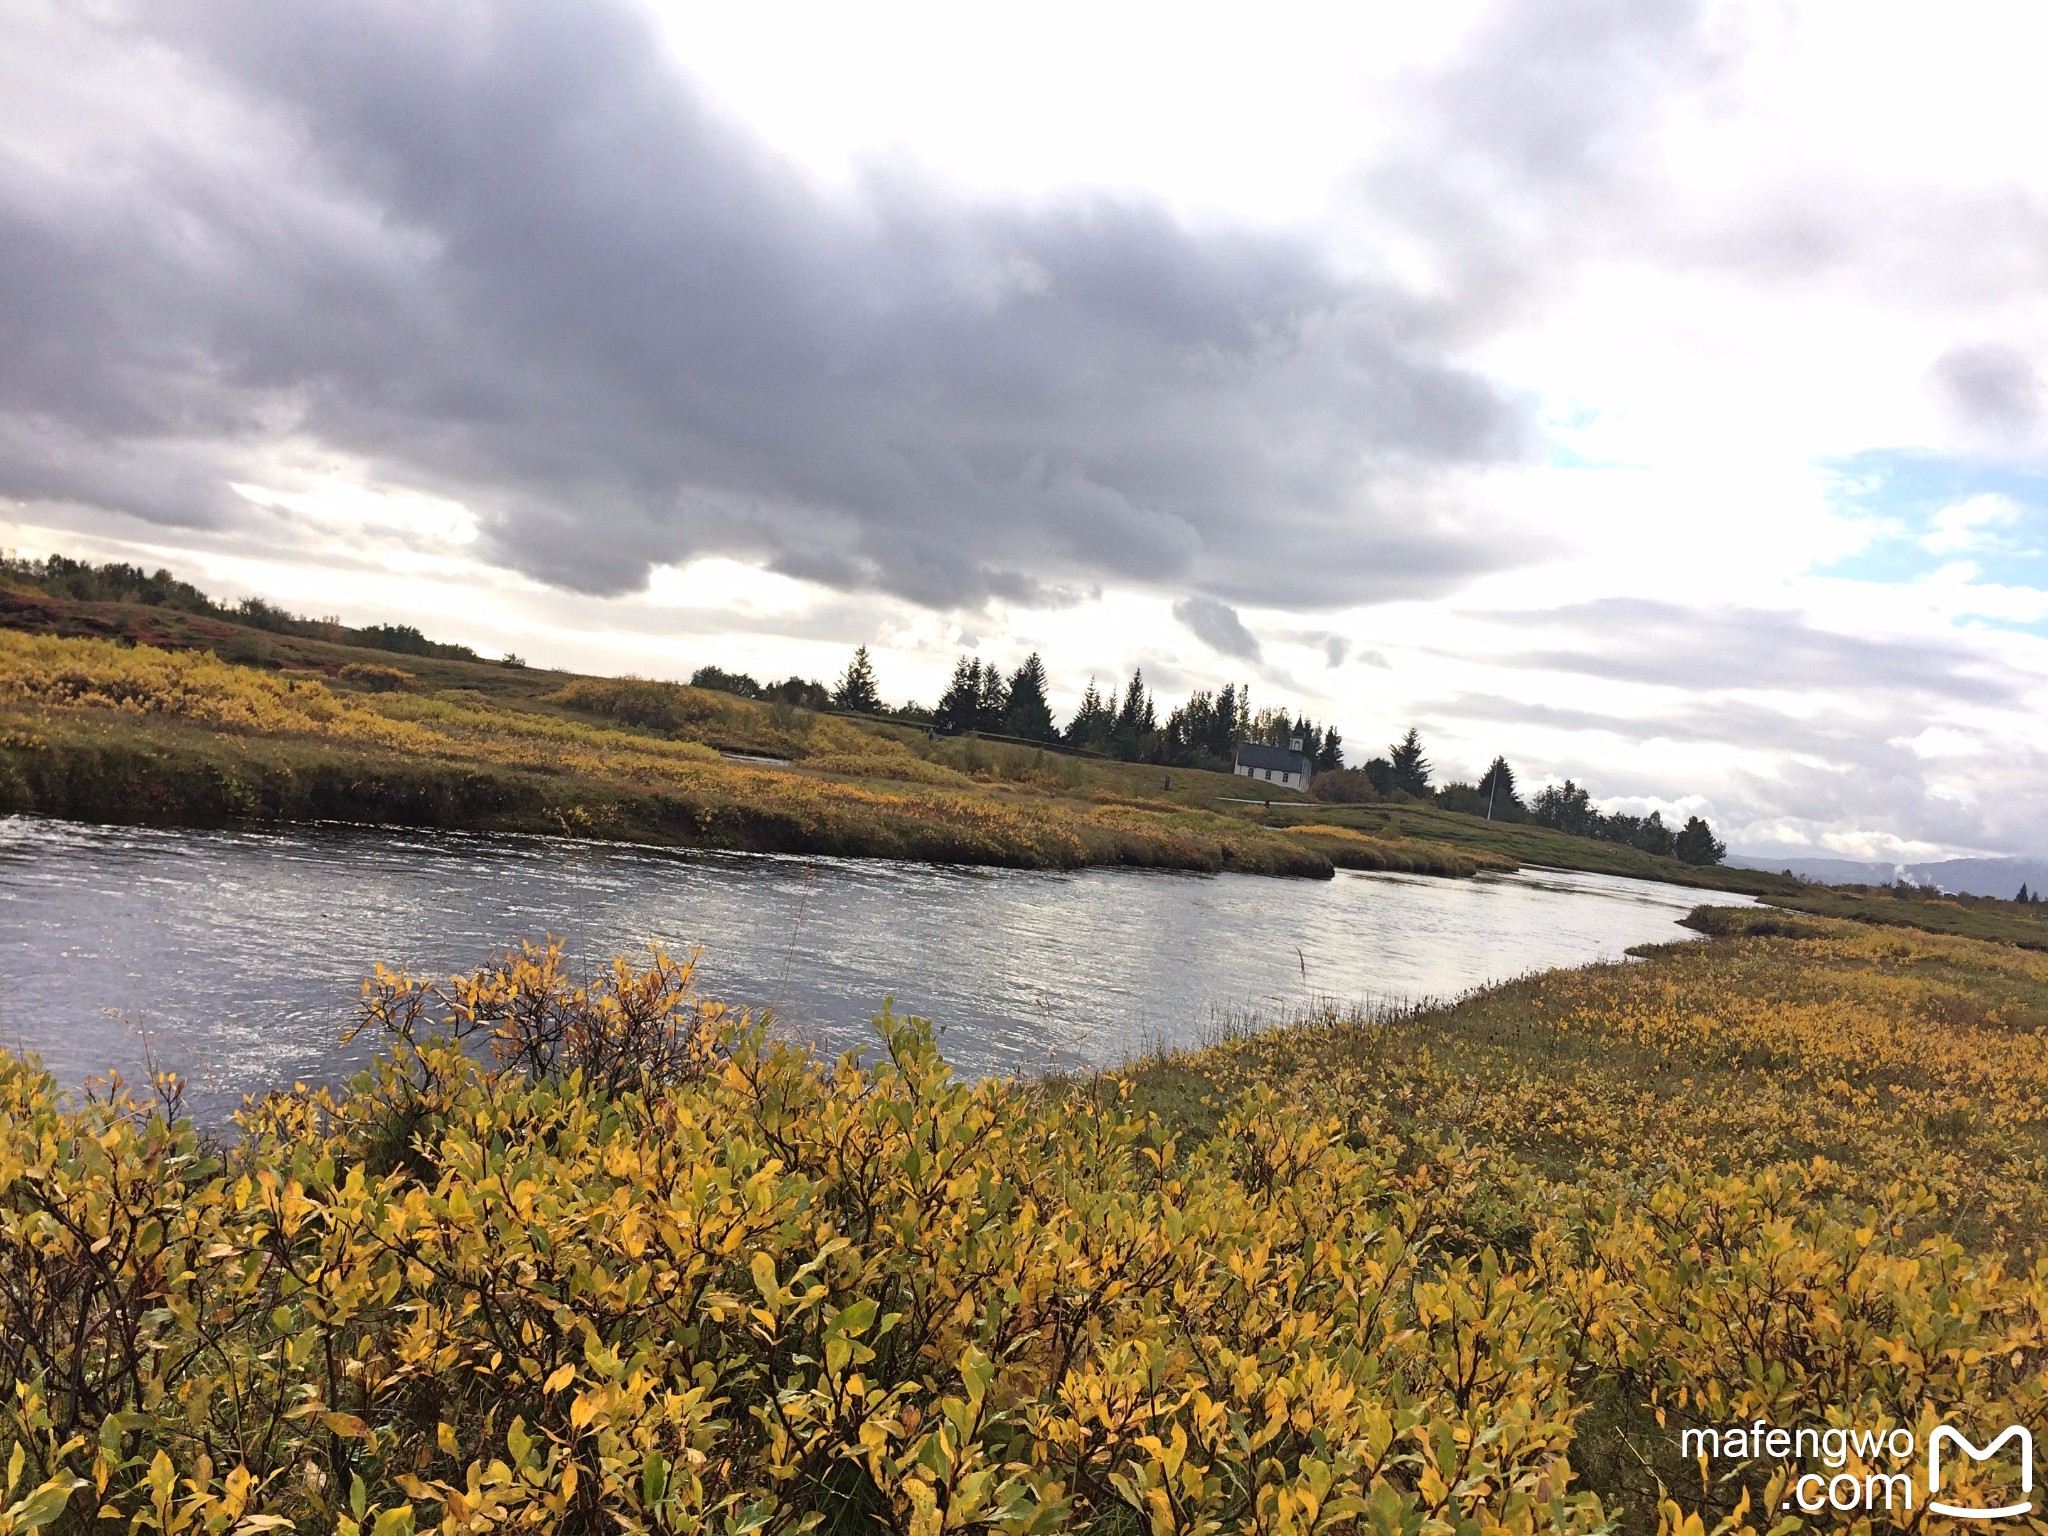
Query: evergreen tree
{"type": "Point", "coordinates": [1137, 725]}
{"type": "Point", "coordinates": [994, 701]}
{"type": "Point", "coordinates": [962, 698]}
{"type": "Point", "coordinates": [1135, 715]}
{"type": "Point", "coordinates": [857, 689]}
{"type": "Point", "coordinates": [1696, 843]}
{"type": "Point", "coordinates": [1411, 768]}
{"type": "Point", "coordinates": [1311, 736]}
{"type": "Point", "coordinates": [1497, 784]}
{"type": "Point", "coordinates": [1330, 756]}
{"type": "Point", "coordinates": [2023, 898]}
{"type": "Point", "coordinates": [1188, 729]}
{"type": "Point", "coordinates": [1228, 722]}
{"type": "Point", "coordinates": [1092, 722]}
{"type": "Point", "coordinates": [1028, 714]}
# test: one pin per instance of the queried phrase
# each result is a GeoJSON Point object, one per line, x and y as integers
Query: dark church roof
{"type": "Point", "coordinates": [1251, 755]}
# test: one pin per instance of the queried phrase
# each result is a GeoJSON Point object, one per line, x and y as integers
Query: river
{"type": "Point", "coordinates": [238, 953]}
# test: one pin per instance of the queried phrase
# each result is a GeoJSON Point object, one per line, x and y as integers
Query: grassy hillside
{"type": "Point", "coordinates": [93, 728]}
{"type": "Point", "coordinates": [1474, 1269]}
{"type": "Point", "coordinates": [138, 711]}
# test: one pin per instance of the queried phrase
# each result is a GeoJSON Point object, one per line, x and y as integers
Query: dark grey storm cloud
{"type": "Point", "coordinates": [1217, 626]}
{"type": "Point", "coordinates": [501, 253]}
{"type": "Point", "coordinates": [1993, 387]}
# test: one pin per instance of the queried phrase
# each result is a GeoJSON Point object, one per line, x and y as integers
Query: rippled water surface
{"type": "Point", "coordinates": [239, 952]}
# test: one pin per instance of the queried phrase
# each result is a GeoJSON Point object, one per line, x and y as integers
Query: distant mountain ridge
{"type": "Point", "coordinates": [1971, 877]}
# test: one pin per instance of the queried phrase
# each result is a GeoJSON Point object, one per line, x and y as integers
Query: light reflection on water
{"type": "Point", "coordinates": [240, 951]}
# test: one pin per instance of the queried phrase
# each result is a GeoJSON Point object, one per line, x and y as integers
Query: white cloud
{"type": "Point", "coordinates": [1971, 525]}
{"type": "Point", "coordinates": [1940, 741]}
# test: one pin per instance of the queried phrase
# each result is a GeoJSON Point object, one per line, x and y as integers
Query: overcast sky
{"type": "Point", "coordinates": [1651, 392]}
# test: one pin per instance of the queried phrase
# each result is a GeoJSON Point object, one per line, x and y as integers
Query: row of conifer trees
{"type": "Point", "coordinates": [1202, 732]}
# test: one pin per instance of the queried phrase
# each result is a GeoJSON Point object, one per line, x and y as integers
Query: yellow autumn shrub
{"type": "Point", "coordinates": [583, 1254]}
{"type": "Point", "coordinates": [1796, 1175]}
{"type": "Point", "coordinates": [377, 678]}
{"type": "Point", "coordinates": [899, 765]}
{"type": "Point", "coordinates": [1349, 848]}
{"type": "Point", "coordinates": [752, 1293]}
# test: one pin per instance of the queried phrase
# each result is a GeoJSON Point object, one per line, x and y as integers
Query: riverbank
{"type": "Point", "coordinates": [1787, 1148]}
{"type": "Point", "coordinates": [105, 731]}
{"type": "Point", "coordinates": [1898, 906]}
{"type": "Point", "coordinates": [97, 730]}
{"type": "Point", "coordinates": [1889, 1056]}
{"type": "Point", "coordinates": [1469, 1267]}
{"type": "Point", "coordinates": [1521, 842]}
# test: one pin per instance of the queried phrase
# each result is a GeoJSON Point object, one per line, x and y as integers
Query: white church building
{"type": "Point", "coordinates": [1275, 765]}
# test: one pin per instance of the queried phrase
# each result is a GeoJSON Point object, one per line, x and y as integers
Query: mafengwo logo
{"type": "Point", "coordinates": [1873, 1471]}
{"type": "Point", "coordinates": [1944, 1436]}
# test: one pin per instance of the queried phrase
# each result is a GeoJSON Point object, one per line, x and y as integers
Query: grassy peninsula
{"type": "Point", "coordinates": [636, 1267]}
{"type": "Point", "coordinates": [147, 711]}
{"type": "Point", "coordinates": [93, 728]}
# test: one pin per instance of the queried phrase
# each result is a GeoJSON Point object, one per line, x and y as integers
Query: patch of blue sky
{"type": "Point", "coordinates": [1925, 511]}
{"type": "Point", "coordinates": [1561, 455]}
{"type": "Point", "coordinates": [2036, 627]}
{"type": "Point", "coordinates": [1576, 436]}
